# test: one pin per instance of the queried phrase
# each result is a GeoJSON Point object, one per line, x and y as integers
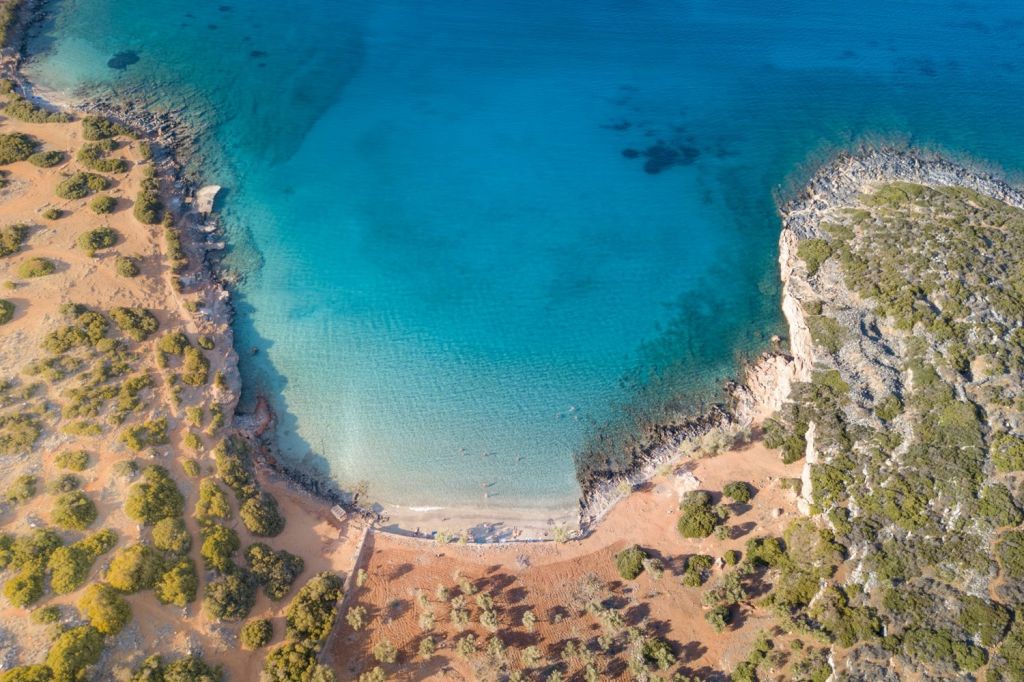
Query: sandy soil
{"type": "Point", "coordinates": [545, 577]}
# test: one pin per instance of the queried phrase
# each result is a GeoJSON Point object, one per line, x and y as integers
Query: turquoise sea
{"type": "Point", "coordinates": [480, 238]}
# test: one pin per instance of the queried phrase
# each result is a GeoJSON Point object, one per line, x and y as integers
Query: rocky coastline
{"type": "Point", "coordinates": [764, 384]}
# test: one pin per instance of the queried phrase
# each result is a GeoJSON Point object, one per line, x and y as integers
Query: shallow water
{"type": "Point", "coordinates": [477, 236]}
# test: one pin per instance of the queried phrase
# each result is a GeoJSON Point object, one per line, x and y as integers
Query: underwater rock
{"type": "Point", "coordinates": [661, 156]}
{"type": "Point", "coordinates": [122, 60]}
{"type": "Point", "coordinates": [630, 153]}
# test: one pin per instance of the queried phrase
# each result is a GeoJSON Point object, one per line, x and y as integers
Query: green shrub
{"type": "Point", "coordinates": [213, 502]}
{"type": "Point", "coordinates": [275, 570]}
{"type": "Point", "coordinates": [73, 510]}
{"type": "Point", "coordinates": [93, 156]}
{"type": "Point", "coordinates": [18, 433]}
{"type": "Point", "coordinates": [195, 368]}
{"type": "Point", "coordinates": [738, 491]}
{"type": "Point", "coordinates": [23, 488]}
{"type": "Point", "coordinates": [186, 669]}
{"type": "Point", "coordinates": [697, 568]}
{"type": "Point", "coordinates": [731, 557]}
{"type": "Point", "coordinates": [230, 597]}
{"type": "Point", "coordinates": [137, 324]}
{"type": "Point", "coordinates": [1008, 453]}
{"type": "Point", "coordinates": [148, 434]}
{"type": "Point", "coordinates": [148, 208]}
{"type": "Point", "coordinates": [698, 519]}
{"type": "Point", "coordinates": [53, 213]}
{"type": "Point", "coordinates": [23, 110]}
{"type": "Point", "coordinates": [178, 585]}
{"type": "Point", "coordinates": [126, 468]}
{"type": "Point", "coordinates": [135, 568]}
{"type": "Point", "coordinates": [256, 633]}
{"type": "Point", "coordinates": [231, 457]}
{"type": "Point", "coordinates": [6, 311]}
{"type": "Point", "coordinates": [99, 128]}
{"type": "Point", "coordinates": [173, 343]}
{"type": "Point", "coordinates": [16, 147]}
{"type": "Point", "coordinates": [103, 204]}
{"type": "Point", "coordinates": [813, 252]}
{"type": "Point", "coordinates": [826, 332]}
{"type": "Point", "coordinates": [12, 238]}
{"type": "Point", "coordinates": [105, 609]}
{"type": "Point", "coordinates": [98, 238]}
{"type": "Point", "coordinates": [630, 562]}
{"type": "Point", "coordinates": [261, 515]}
{"type": "Point", "coordinates": [126, 266]}
{"type": "Point", "coordinates": [171, 535]}
{"type": "Point", "coordinates": [26, 587]}
{"type": "Point", "coordinates": [47, 159]}
{"type": "Point", "coordinates": [80, 185]}
{"type": "Point", "coordinates": [219, 546]}
{"type": "Point", "coordinates": [155, 497]}
{"type": "Point", "coordinates": [64, 483]}
{"type": "Point", "coordinates": [69, 565]}
{"type": "Point", "coordinates": [36, 267]}
{"type": "Point", "coordinates": [205, 342]}
{"type": "Point", "coordinates": [888, 408]}
{"type": "Point", "coordinates": [311, 614]}
{"type": "Point", "coordinates": [718, 617]}
{"type": "Point", "coordinates": [988, 621]}
{"type": "Point", "coordinates": [1010, 548]}
{"type": "Point", "coordinates": [45, 615]}
{"type": "Point", "coordinates": [294, 662]}
{"type": "Point", "coordinates": [191, 468]}
{"type": "Point", "coordinates": [73, 651]}
{"type": "Point", "coordinates": [34, 548]}
{"type": "Point", "coordinates": [145, 150]}
{"type": "Point", "coordinates": [75, 460]}
{"type": "Point", "coordinates": [658, 652]}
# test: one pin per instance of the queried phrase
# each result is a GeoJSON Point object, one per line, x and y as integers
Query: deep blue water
{"type": "Point", "coordinates": [456, 275]}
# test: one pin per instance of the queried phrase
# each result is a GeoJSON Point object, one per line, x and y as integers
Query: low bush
{"type": "Point", "coordinates": [80, 185]}
{"type": "Point", "coordinates": [219, 546]}
{"type": "Point", "coordinates": [195, 369]}
{"type": "Point", "coordinates": [23, 110]}
{"type": "Point", "coordinates": [275, 570]}
{"type": "Point", "coordinates": [47, 159]}
{"type": "Point", "coordinates": [99, 128]}
{"type": "Point", "coordinates": [630, 562]}
{"type": "Point", "coordinates": [135, 323]}
{"type": "Point", "coordinates": [261, 515]}
{"type": "Point", "coordinates": [155, 497]}
{"type": "Point", "coordinates": [73, 510]}
{"type": "Point", "coordinates": [69, 565]}
{"type": "Point", "coordinates": [45, 615]}
{"type": "Point", "coordinates": [21, 489]}
{"type": "Point", "coordinates": [173, 343]}
{"type": "Point", "coordinates": [719, 617]}
{"type": "Point", "coordinates": [74, 460]}
{"type": "Point", "coordinates": [6, 311]}
{"type": "Point", "coordinates": [64, 483]}
{"type": "Point", "coordinates": [178, 585]}
{"type": "Point", "coordinates": [98, 238]}
{"type": "Point", "coordinates": [73, 651]}
{"type": "Point", "coordinates": [230, 597]}
{"type": "Point", "coordinates": [18, 433]}
{"type": "Point", "coordinates": [135, 568]}
{"type": "Point", "coordinates": [293, 662]}
{"type": "Point", "coordinates": [256, 633]}
{"type": "Point", "coordinates": [213, 501]}
{"type": "Point", "coordinates": [147, 434]}
{"type": "Point", "coordinates": [126, 266]}
{"type": "Point", "coordinates": [171, 535]}
{"type": "Point", "coordinates": [16, 147]}
{"type": "Point", "coordinates": [93, 156]}
{"type": "Point", "coordinates": [311, 614]}
{"type": "Point", "coordinates": [738, 491]}
{"type": "Point", "coordinates": [104, 608]}
{"type": "Point", "coordinates": [698, 519]}
{"type": "Point", "coordinates": [103, 204]}
{"type": "Point", "coordinates": [36, 267]}
{"type": "Point", "coordinates": [53, 213]}
{"type": "Point", "coordinates": [12, 238]}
